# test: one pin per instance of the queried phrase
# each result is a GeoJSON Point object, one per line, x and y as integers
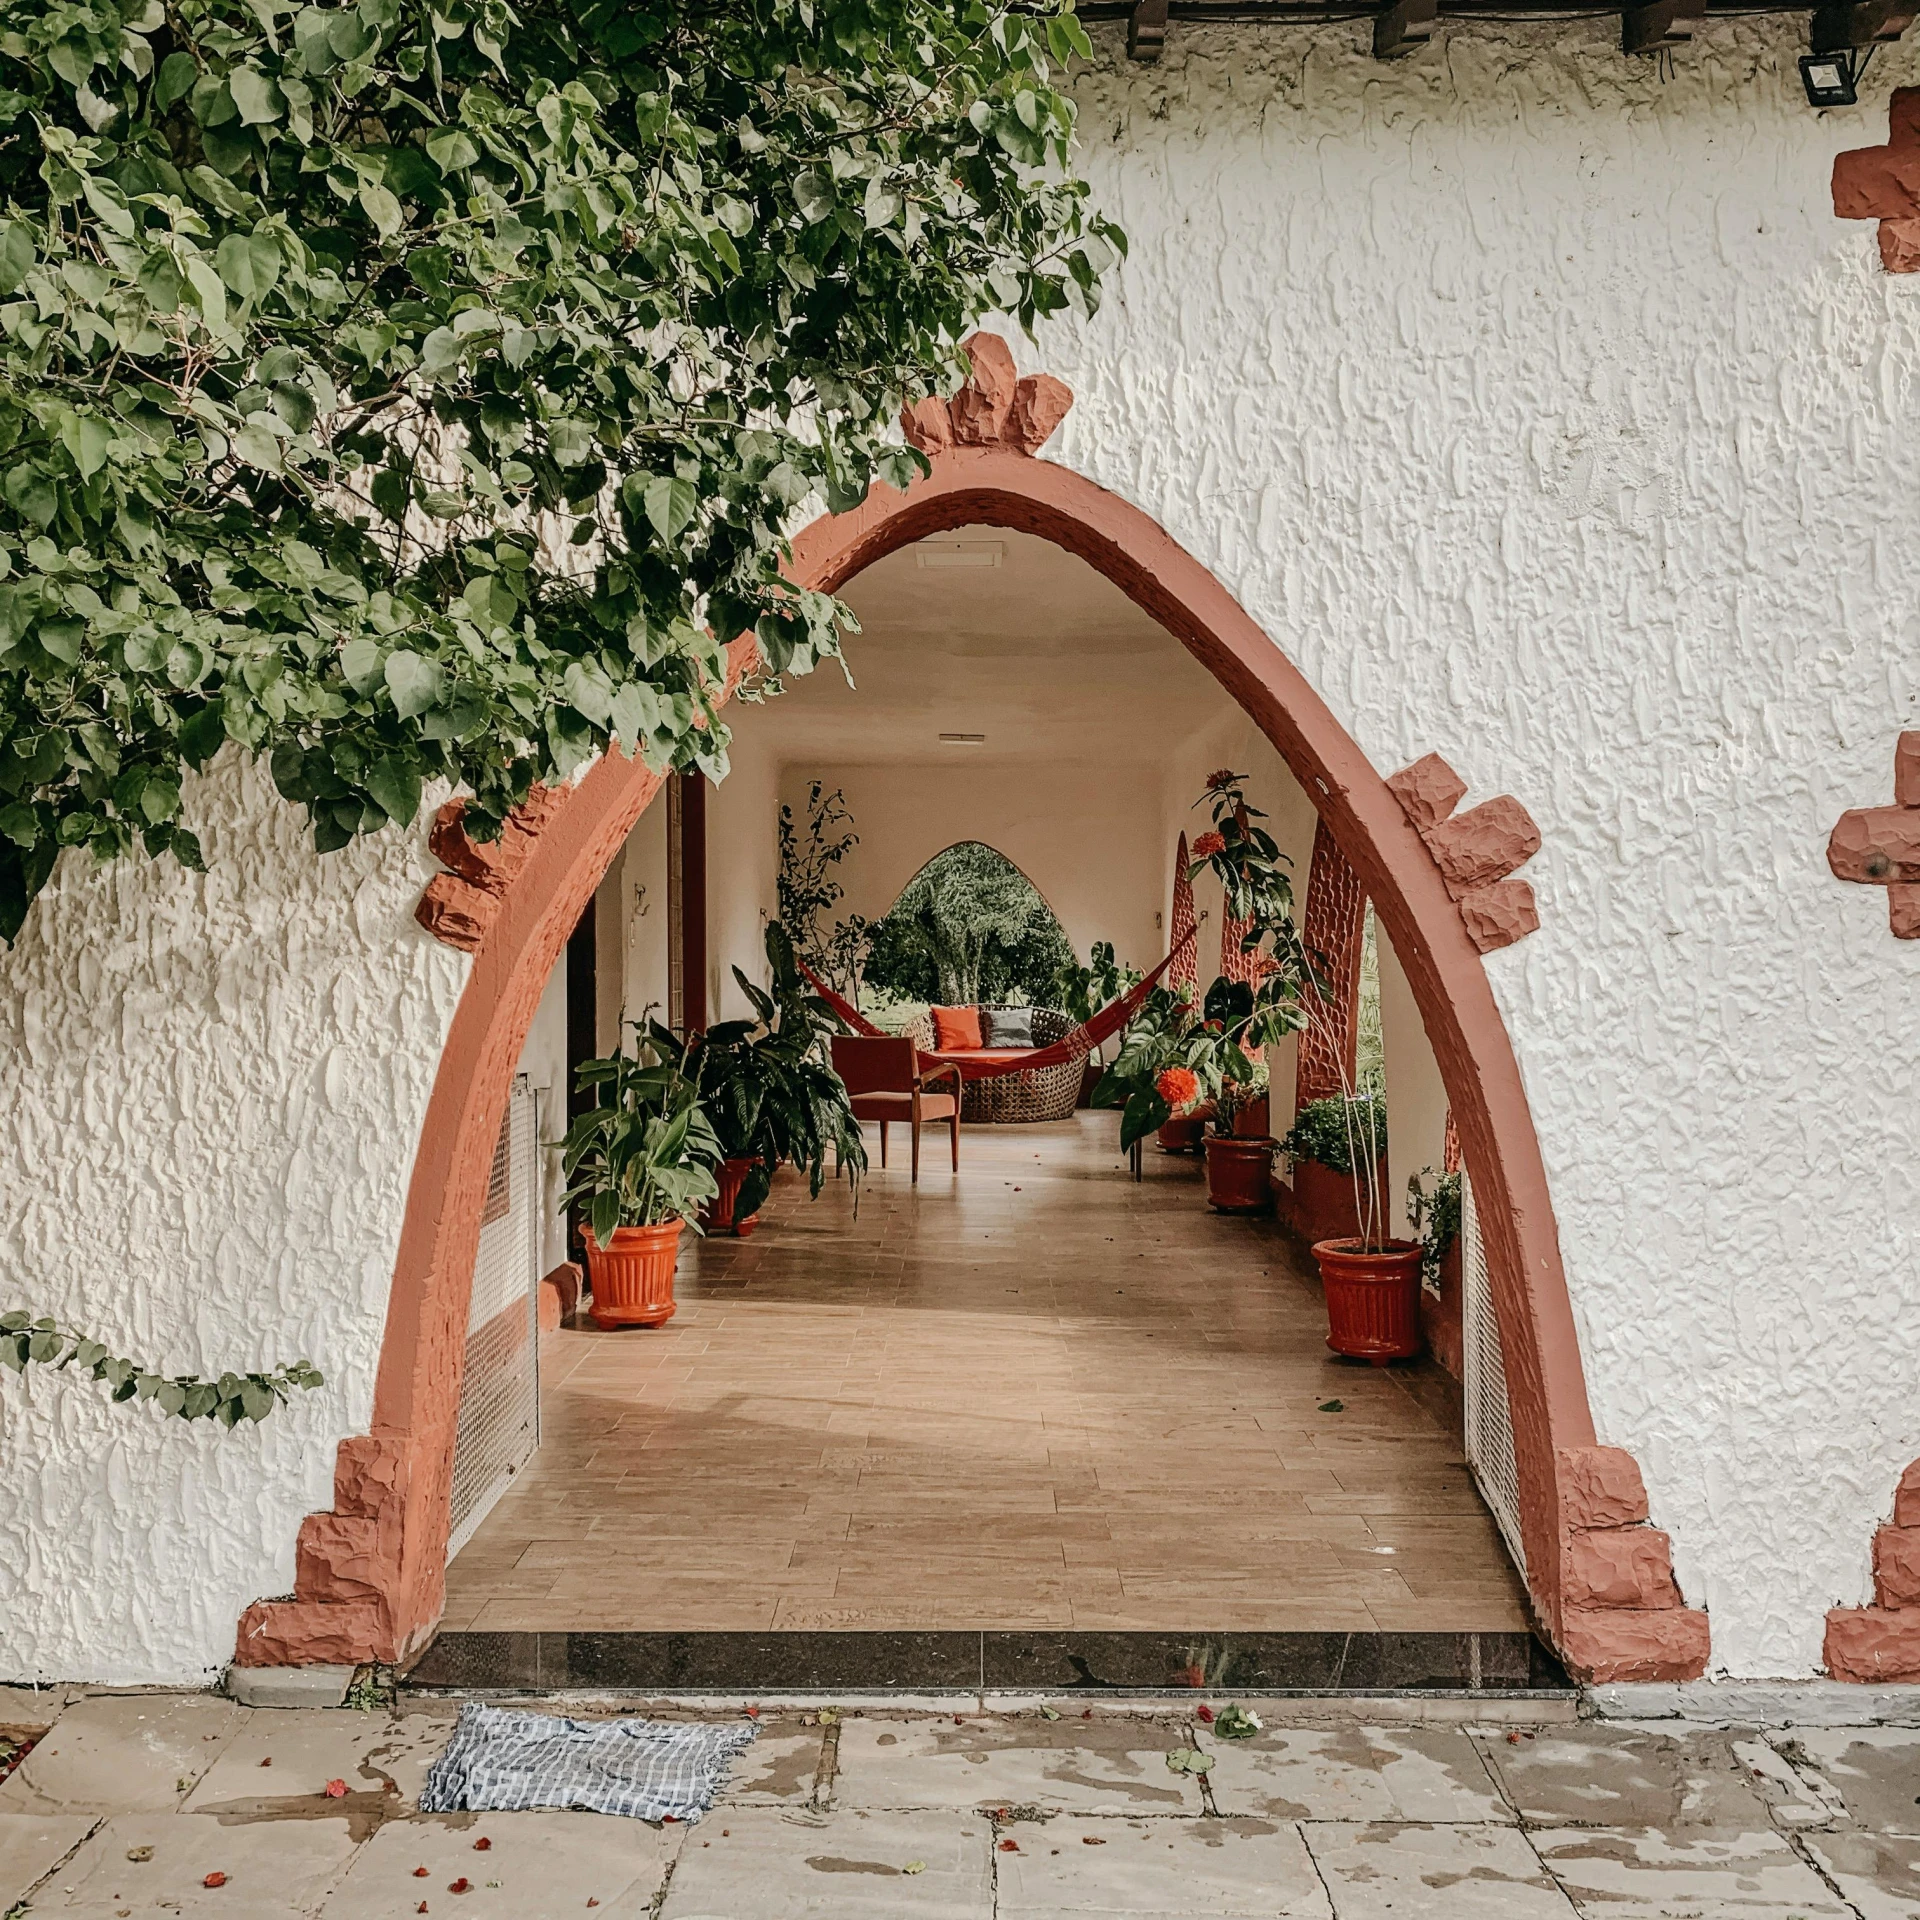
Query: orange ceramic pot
{"type": "Point", "coordinates": [1239, 1174]}
{"type": "Point", "coordinates": [717, 1215]}
{"type": "Point", "coordinates": [1373, 1298]}
{"type": "Point", "coordinates": [633, 1275]}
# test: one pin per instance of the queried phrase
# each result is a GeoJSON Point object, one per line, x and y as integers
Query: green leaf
{"type": "Point", "coordinates": [415, 683]}
{"type": "Point", "coordinates": [671, 505]}
{"type": "Point", "coordinates": [178, 72]}
{"type": "Point", "coordinates": [395, 784]}
{"type": "Point", "coordinates": [259, 101]}
{"type": "Point", "coordinates": [382, 209]}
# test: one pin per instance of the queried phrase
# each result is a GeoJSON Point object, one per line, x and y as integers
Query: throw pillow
{"type": "Point", "coordinates": [1007, 1027]}
{"type": "Point", "coordinates": [956, 1029]}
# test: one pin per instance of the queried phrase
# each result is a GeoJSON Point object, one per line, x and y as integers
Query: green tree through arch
{"type": "Point", "coordinates": [968, 928]}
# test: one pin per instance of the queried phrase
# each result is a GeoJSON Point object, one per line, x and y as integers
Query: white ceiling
{"type": "Point", "coordinates": [988, 631]}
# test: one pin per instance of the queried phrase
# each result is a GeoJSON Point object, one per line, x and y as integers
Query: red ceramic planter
{"type": "Point", "coordinates": [633, 1275]}
{"type": "Point", "coordinates": [717, 1215]}
{"type": "Point", "coordinates": [1183, 1133]}
{"type": "Point", "coordinates": [1250, 1121]}
{"type": "Point", "coordinates": [1239, 1174]}
{"type": "Point", "coordinates": [1373, 1299]}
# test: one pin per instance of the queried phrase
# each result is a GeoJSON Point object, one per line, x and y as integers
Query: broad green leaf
{"type": "Point", "coordinates": [671, 504]}
{"type": "Point", "coordinates": [414, 682]}
{"type": "Point", "coordinates": [380, 206]}
{"type": "Point", "coordinates": [395, 784]}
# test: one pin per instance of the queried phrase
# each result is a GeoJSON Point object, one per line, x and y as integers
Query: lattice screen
{"type": "Point", "coordinates": [1489, 1437]}
{"type": "Point", "coordinates": [500, 1390]}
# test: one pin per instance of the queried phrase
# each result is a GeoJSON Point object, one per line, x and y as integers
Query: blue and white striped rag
{"type": "Point", "coordinates": [502, 1759]}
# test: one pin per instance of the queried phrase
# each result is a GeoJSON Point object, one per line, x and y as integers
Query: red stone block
{"type": "Point", "coordinates": [1481, 845]}
{"type": "Point", "coordinates": [1618, 1643]}
{"type": "Point", "coordinates": [1873, 1645]}
{"type": "Point", "coordinates": [1896, 1567]}
{"type": "Point", "coordinates": [1428, 791]}
{"type": "Point", "coordinates": [1601, 1487]}
{"type": "Point", "coordinates": [1620, 1567]}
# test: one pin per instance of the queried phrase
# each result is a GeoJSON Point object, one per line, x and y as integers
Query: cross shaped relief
{"type": "Point", "coordinates": [1881, 845]}
{"type": "Point", "coordinates": [1883, 183]}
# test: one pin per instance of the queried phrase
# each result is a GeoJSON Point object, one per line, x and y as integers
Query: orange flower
{"type": "Point", "coordinates": [1208, 845]}
{"type": "Point", "coordinates": [1221, 781]}
{"type": "Point", "coordinates": [1178, 1086]}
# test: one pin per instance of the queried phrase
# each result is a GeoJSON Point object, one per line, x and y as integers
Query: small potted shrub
{"type": "Point", "coordinates": [1434, 1211]}
{"type": "Point", "coordinates": [1239, 1163]}
{"type": "Point", "coordinates": [771, 1094]}
{"type": "Point", "coordinates": [1320, 1146]}
{"type": "Point", "coordinates": [641, 1161]}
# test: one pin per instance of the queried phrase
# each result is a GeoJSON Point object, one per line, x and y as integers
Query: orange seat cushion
{"type": "Point", "coordinates": [994, 1054]}
{"type": "Point", "coordinates": [956, 1029]}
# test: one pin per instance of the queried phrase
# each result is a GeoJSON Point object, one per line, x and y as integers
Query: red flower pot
{"type": "Point", "coordinates": [1182, 1134]}
{"type": "Point", "coordinates": [1239, 1174]}
{"type": "Point", "coordinates": [633, 1275]}
{"type": "Point", "coordinates": [1324, 1204]}
{"type": "Point", "coordinates": [1373, 1298]}
{"type": "Point", "coordinates": [1250, 1120]}
{"type": "Point", "coordinates": [717, 1215]}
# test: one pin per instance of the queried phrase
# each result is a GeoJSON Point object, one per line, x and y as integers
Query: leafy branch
{"type": "Point", "coordinates": [230, 1399]}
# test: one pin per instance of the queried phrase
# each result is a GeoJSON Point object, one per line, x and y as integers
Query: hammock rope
{"type": "Point", "coordinates": [1062, 1052]}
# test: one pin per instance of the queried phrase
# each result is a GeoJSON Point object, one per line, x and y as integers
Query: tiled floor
{"type": "Point", "coordinates": [1037, 1395]}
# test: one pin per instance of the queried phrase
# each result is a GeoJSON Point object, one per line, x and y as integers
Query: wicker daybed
{"type": "Point", "coordinates": [1017, 1099]}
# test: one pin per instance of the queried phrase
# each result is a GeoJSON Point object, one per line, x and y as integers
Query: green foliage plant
{"type": "Point", "coordinates": [1434, 1213]}
{"type": "Point", "coordinates": [420, 391]}
{"type": "Point", "coordinates": [233, 1397]}
{"type": "Point", "coordinates": [1337, 1131]}
{"type": "Point", "coordinates": [768, 1087]}
{"type": "Point", "coordinates": [807, 888]}
{"type": "Point", "coordinates": [1081, 991]}
{"type": "Point", "coordinates": [644, 1153]}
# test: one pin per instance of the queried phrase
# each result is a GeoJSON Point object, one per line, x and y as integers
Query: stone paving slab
{"type": "Point", "coordinates": [1091, 1869]}
{"type": "Point", "coordinates": [1383, 1871]}
{"type": "Point", "coordinates": [32, 1845]}
{"type": "Point", "coordinates": [1874, 1772]}
{"type": "Point", "coordinates": [291, 1753]}
{"type": "Point", "coordinates": [278, 1870]}
{"type": "Point", "coordinates": [1879, 1875]}
{"type": "Point", "coordinates": [1597, 1775]}
{"type": "Point", "coordinates": [780, 1766]}
{"type": "Point", "coordinates": [1428, 1774]}
{"type": "Point", "coordinates": [536, 1866]}
{"type": "Point", "coordinates": [1077, 1766]}
{"type": "Point", "coordinates": [115, 1753]}
{"type": "Point", "coordinates": [762, 1864]}
{"type": "Point", "coordinates": [1638, 1874]}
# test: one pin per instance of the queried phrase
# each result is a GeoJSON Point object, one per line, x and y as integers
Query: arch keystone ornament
{"type": "Point", "coordinates": [371, 1574]}
{"type": "Point", "coordinates": [1883, 183]}
{"type": "Point", "coordinates": [1475, 850]}
{"type": "Point", "coordinates": [1880, 846]}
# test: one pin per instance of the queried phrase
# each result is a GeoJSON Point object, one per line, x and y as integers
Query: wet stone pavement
{"type": "Point", "coordinates": [132, 1803]}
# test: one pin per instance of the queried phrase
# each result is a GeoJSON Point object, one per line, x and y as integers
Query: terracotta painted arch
{"type": "Point", "coordinates": [371, 1572]}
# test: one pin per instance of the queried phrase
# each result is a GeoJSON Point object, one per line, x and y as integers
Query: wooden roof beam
{"type": "Point", "coordinates": [1146, 31]}
{"type": "Point", "coordinates": [1866, 23]}
{"type": "Point", "coordinates": [1403, 28]}
{"type": "Point", "coordinates": [1666, 23]}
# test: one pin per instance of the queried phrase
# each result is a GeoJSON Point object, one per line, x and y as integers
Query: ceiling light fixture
{"type": "Point", "coordinates": [963, 739]}
{"type": "Point", "coordinates": [958, 553]}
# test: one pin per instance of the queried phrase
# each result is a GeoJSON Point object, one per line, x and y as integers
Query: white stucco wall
{"type": "Point", "coordinates": [1535, 401]}
{"type": "Point", "coordinates": [210, 1092]}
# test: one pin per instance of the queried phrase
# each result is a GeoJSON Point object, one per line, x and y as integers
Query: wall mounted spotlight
{"type": "Point", "coordinates": [1830, 78]}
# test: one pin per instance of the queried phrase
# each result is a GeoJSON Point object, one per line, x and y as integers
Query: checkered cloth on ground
{"type": "Point", "coordinates": [501, 1759]}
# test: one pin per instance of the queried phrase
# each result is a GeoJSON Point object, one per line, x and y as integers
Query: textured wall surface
{"type": "Point", "coordinates": [1541, 409]}
{"type": "Point", "coordinates": [210, 1091]}
{"type": "Point", "coordinates": [1537, 404]}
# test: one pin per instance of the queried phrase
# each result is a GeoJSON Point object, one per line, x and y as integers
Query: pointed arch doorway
{"type": "Point", "coordinates": [371, 1571]}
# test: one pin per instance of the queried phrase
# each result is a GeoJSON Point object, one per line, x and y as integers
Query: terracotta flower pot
{"type": "Point", "coordinates": [633, 1275]}
{"type": "Point", "coordinates": [1373, 1298]}
{"type": "Point", "coordinates": [717, 1215]}
{"type": "Point", "coordinates": [1250, 1121]}
{"type": "Point", "coordinates": [1239, 1174]}
{"type": "Point", "coordinates": [1324, 1205]}
{"type": "Point", "coordinates": [1185, 1131]}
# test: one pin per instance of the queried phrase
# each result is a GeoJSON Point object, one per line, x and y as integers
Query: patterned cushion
{"type": "Point", "coordinates": [1006, 1026]}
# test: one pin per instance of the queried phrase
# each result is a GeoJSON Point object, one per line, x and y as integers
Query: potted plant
{"type": "Point", "coordinates": [770, 1092]}
{"type": "Point", "coordinates": [641, 1161]}
{"type": "Point", "coordinates": [1320, 1144]}
{"type": "Point", "coordinates": [1435, 1214]}
{"type": "Point", "coordinates": [1239, 1161]}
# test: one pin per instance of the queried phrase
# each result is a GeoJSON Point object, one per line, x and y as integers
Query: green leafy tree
{"type": "Point", "coordinates": [968, 927]}
{"type": "Point", "coordinates": [422, 391]}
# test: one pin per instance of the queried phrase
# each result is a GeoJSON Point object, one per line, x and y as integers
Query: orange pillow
{"type": "Point", "coordinates": [956, 1029]}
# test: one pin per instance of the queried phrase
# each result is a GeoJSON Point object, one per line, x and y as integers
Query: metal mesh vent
{"type": "Point", "coordinates": [1489, 1436]}
{"type": "Point", "coordinates": [500, 1390]}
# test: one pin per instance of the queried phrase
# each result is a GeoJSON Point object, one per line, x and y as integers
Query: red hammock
{"type": "Point", "coordinates": [1075, 1046]}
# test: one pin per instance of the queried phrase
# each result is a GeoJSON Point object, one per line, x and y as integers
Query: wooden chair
{"type": "Point", "coordinates": [885, 1081]}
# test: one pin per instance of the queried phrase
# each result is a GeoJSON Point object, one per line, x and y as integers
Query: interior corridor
{"type": "Point", "coordinates": [1035, 1395]}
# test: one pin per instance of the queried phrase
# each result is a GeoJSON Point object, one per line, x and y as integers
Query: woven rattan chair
{"type": "Point", "coordinates": [1014, 1099]}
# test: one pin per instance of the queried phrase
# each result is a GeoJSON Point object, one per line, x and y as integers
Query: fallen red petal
{"type": "Point", "coordinates": [419, 1873]}
{"type": "Point", "coordinates": [336, 1789]}
{"type": "Point", "coordinates": [214, 1880]}
{"type": "Point", "coordinates": [1206, 1714]}
{"type": "Point", "coordinates": [482, 1845]}
{"type": "Point", "coordinates": [462, 1885]}
{"type": "Point", "coordinates": [268, 1761]}
{"type": "Point", "coordinates": [1009, 1846]}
